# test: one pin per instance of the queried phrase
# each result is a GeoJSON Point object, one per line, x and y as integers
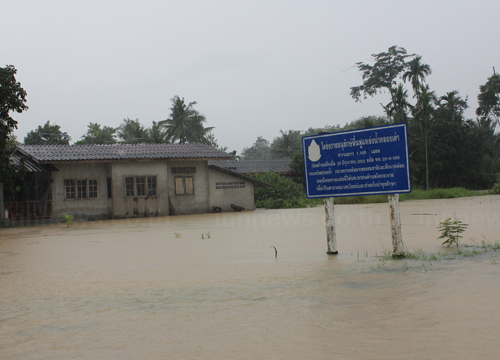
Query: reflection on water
{"type": "Point", "coordinates": [154, 289]}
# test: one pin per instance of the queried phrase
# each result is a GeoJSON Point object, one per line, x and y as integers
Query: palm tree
{"type": "Point", "coordinates": [287, 144]}
{"type": "Point", "coordinates": [155, 134]}
{"type": "Point", "coordinates": [452, 106]}
{"type": "Point", "coordinates": [132, 132]}
{"type": "Point", "coordinates": [397, 109]}
{"type": "Point", "coordinates": [422, 113]}
{"type": "Point", "coordinates": [416, 73]}
{"type": "Point", "coordinates": [185, 124]}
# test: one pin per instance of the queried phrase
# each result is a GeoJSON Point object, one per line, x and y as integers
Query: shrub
{"type": "Point", "coordinates": [283, 192]}
{"type": "Point", "coordinates": [496, 187]}
{"type": "Point", "coordinates": [451, 230]}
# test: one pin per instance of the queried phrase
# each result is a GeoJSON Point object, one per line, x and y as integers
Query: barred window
{"type": "Point", "coordinates": [140, 183]}
{"type": "Point", "coordinates": [140, 186]}
{"type": "Point", "coordinates": [81, 189]}
{"type": "Point", "coordinates": [222, 185]}
{"type": "Point", "coordinates": [70, 188]}
{"type": "Point", "coordinates": [129, 186]}
{"type": "Point", "coordinates": [92, 188]}
{"type": "Point", "coordinates": [152, 185]}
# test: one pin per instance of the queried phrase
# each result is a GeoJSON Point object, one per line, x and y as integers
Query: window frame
{"type": "Point", "coordinates": [81, 189]}
{"type": "Point", "coordinates": [229, 185]}
{"type": "Point", "coordinates": [184, 185]}
{"type": "Point", "coordinates": [142, 186]}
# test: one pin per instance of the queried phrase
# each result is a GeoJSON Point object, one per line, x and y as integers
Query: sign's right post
{"type": "Point", "coordinates": [397, 238]}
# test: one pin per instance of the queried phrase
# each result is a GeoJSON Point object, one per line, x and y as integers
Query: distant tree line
{"type": "Point", "coordinates": [446, 148]}
{"type": "Point", "coordinates": [184, 125]}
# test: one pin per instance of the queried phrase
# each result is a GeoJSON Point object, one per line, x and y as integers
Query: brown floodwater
{"type": "Point", "coordinates": [155, 289]}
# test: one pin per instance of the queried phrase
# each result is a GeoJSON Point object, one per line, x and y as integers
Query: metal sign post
{"type": "Point", "coordinates": [356, 163]}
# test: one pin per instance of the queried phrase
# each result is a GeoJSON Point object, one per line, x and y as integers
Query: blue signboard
{"type": "Point", "coordinates": [358, 162]}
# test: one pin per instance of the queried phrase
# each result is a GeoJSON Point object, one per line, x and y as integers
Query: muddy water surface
{"type": "Point", "coordinates": [155, 289]}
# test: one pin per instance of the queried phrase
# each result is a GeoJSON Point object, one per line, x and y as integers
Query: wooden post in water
{"type": "Point", "coordinates": [331, 233]}
{"type": "Point", "coordinates": [397, 238]}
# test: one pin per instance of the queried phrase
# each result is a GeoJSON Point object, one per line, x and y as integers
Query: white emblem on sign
{"type": "Point", "coordinates": [314, 151]}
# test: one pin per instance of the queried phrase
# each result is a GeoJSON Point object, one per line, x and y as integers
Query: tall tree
{"type": "Point", "coordinates": [185, 124]}
{"type": "Point", "coordinates": [397, 109]}
{"type": "Point", "coordinates": [422, 113]}
{"type": "Point", "coordinates": [450, 153]}
{"type": "Point", "coordinates": [132, 132]}
{"type": "Point", "coordinates": [416, 73]}
{"type": "Point", "coordinates": [452, 106]}
{"type": "Point", "coordinates": [489, 100]}
{"type": "Point", "coordinates": [97, 135]}
{"type": "Point", "coordinates": [47, 135]}
{"type": "Point", "coordinates": [12, 98]}
{"type": "Point", "coordinates": [156, 134]}
{"type": "Point", "coordinates": [287, 144]}
{"type": "Point", "coordinates": [260, 150]}
{"type": "Point", "coordinates": [382, 75]}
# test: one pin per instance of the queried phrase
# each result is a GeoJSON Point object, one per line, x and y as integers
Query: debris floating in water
{"type": "Point", "coordinates": [275, 251]}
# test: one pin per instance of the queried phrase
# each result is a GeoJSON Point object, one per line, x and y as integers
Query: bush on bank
{"type": "Point", "coordinates": [496, 187]}
{"type": "Point", "coordinates": [284, 193]}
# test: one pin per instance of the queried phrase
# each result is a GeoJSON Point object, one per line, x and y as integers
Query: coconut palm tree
{"type": "Point", "coordinates": [155, 134]}
{"type": "Point", "coordinates": [132, 132]}
{"type": "Point", "coordinates": [185, 124]}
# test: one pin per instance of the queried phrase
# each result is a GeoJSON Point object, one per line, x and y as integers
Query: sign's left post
{"type": "Point", "coordinates": [331, 233]}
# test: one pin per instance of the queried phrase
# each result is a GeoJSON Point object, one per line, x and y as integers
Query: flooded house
{"type": "Point", "coordinates": [127, 180]}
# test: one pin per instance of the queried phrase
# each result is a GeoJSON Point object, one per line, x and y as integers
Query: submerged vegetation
{"type": "Point", "coordinates": [451, 230]}
{"type": "Point", "coordinates": [423, 261]}
{"type": "Point", "coordinates": [286, 194]}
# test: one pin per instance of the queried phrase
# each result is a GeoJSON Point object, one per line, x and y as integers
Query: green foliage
{"type": "Point", "coordinates": [12, 98]}
{"type": "Point", "coordinates": [489, 99]}
{"type": "Point", "coordinates": [185, 124]}
{"type": "Point", "coordinates": [132, 132]}
{"type": "Point", "coordinates": [69, 219]}
{"type": "Point", "coordinates": [382, 74]}
{"type": "Point", "coordinates": [97, 135]}
{"type": "Point", "coordinates": [496, 187]}
{"type": "Point", "coordinates": [283, 193]}
{"type": "Point", "coordinates": [451, 231]}
{"type": "Point", "coordinates": [47, 135]}
{"type": "Point", "coordinates": [155, 134]}
{"type": "Point", "coordinates": [286, 145]}
{"type": "Point", "coordinates": [397, 110]}
{"type": "Point", "coordinates": [260, 150]}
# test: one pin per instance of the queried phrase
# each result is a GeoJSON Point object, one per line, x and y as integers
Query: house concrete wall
{"type": "Point", "coordinates": [83, 208]}
{"type": "Point", "coordinates": [128, 206]}
{"type": "Point", "coordinates": [199, 201]}
{"type": "Point", "coordinates": [119, 205]}
{"type": "Point", "coordinates": [223, 198]}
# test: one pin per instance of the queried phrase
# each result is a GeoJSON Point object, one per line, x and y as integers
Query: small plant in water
{"type": "Point", "coordinates": [69, 219]}
{"type": "Point", "coordinates": [451, 231]}
{"type": "Point", "coordinates": [177, 235]}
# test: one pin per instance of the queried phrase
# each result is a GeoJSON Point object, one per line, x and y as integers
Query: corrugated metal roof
{"type": "Point", "coordinates": [281, 166]}
{"type": "Point", "coordinates": [29, 165]}
{"type": "Point", "coordinates": [59, 153]}
{"type": "Point", "coordinates": [235, 174]}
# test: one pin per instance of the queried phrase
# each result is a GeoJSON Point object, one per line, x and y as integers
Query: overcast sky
{"type": "Point", "coordinates": [254, 67]}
